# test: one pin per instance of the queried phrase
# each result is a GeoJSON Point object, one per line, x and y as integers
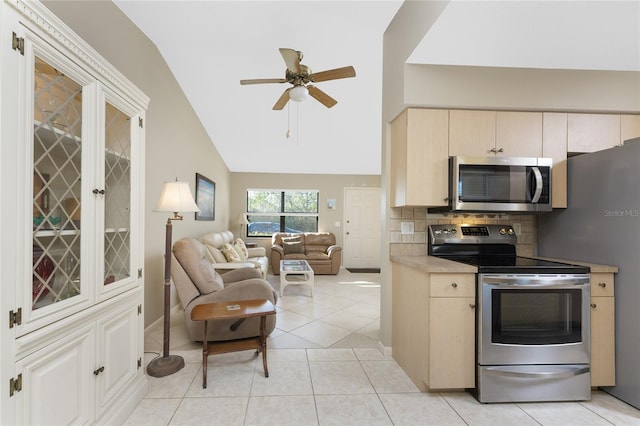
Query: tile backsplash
{"type": "Point", "coordinates": [415, 244]}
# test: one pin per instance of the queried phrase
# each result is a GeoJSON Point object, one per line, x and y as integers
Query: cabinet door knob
{"type": "Point", "coordinates": [500, 150]}
{"type": "Point", "coordinates": [492, 150]}
{"type": "Point", "coordinates": [454, 285]}
{"type": "Point", "coordinates": [445, 199]}
{"type": "Point", "coordinates": [603, 285]}
{"type": "Point", "coordinates": [472, 306]}
{"type": "Point", "coordinates": [593, 305]}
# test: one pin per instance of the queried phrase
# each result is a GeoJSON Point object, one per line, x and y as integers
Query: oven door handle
{"type": "Point", "coordinates": [526, 282]}
{"type": "Point", "coordinates": [570, 372]}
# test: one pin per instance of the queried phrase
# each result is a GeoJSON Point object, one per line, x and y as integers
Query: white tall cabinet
{"type": "Point", "coordinates": [71, 226]}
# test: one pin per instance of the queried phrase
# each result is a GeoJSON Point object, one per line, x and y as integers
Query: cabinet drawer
{"type": "Point", "coordinates": [601, 285]}
{"type": "Point", "coordinates": [453, 285]}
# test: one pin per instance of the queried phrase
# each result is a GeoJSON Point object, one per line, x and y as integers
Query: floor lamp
{"type": "Point", "coordinates": [176, 197]}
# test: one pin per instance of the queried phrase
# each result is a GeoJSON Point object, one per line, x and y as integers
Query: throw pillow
{"type": "Point", "coordinates": [293, 247]}
{"type": "Point", "coordinates": [218, 256]}
{"type": "Point", "coordinates": [292, 239]}
{"type": "Point", "coordinates": [230, 253]}
{"type": "Point", "coordinates": [241, 248]}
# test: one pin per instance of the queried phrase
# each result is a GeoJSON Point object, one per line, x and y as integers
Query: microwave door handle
{"type": "Point", "coordinates": [537, 192]}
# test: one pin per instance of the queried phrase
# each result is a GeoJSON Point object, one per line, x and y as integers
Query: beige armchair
{"type": "Point", "coordinates": [197, 283]}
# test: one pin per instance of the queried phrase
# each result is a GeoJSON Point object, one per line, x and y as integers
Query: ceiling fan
{"type": "Point", "coordinates": [300, 76]}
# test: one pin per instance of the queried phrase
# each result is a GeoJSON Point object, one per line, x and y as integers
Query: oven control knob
{"type": "Point", "coordinates": [510, 231]}
{"type": "Point", "coordinates": [453, 231]}
{"type": "Point", "coordinates": [445, 231]}
{"type": "Point", "coordinates": [503, 231]}
{"type": "Point", "coordinates": [437, 232]}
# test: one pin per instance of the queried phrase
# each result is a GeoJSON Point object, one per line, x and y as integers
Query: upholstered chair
{"type": "Point", "coordinates": [197, 282]}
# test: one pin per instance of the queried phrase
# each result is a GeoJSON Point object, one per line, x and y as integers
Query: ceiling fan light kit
{"type": "Point", "coordinates": [299, 94]}
{"type": "Point", "coordinates": [299, 76]}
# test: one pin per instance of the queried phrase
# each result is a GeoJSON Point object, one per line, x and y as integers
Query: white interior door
{"type": "Point", "coordinates": [361, 248]}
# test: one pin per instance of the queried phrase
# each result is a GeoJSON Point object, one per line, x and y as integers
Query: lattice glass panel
{"type": "Point", "coordinates": [117, 244]}
{"type": "Point", "coordinates": [57, 150]}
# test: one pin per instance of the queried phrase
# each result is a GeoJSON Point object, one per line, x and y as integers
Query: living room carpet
{"type": "Point", "coordinates": [364, 270]}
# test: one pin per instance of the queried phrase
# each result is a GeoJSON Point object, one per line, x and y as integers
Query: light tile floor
{"type": "Point", "coordinates": [325, 369]}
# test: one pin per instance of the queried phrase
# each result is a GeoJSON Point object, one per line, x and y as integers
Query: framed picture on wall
{"type": "Point", "coordinates": [205, 198]}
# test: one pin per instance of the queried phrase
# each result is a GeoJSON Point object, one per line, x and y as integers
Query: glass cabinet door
{"type": "Point", "coordinates": [57, 167]}
{"type": "Point", "coordinates": [117, 186]}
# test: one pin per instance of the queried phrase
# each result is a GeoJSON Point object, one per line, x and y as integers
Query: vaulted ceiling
{"type": "Point", "coordinates": [211, 45]}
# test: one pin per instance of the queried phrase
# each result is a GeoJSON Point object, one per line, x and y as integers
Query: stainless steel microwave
{"type": "Point", "coordinates": [499, 184]}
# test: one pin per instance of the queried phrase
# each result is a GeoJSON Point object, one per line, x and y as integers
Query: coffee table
{"type": "Point", "coordinates": [296, 272]}
{"type": "Point", "coordinates": [238, 309]}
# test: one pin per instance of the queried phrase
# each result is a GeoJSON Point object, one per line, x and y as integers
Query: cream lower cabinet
{"type": "Point", "coordinates": [78, 373]}
{"type": "Point", "coordinates": [433, 327]}
{"type": "Point", "coordinates": [603, 368]}
{"type": "Point", "coordinates": [451, 331]}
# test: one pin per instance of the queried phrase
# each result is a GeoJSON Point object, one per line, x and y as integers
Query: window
{"type": "Point", "coordinates": [270, 210]}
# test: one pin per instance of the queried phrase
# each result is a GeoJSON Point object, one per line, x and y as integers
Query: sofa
{"type": "Point", "coordinates": [217, 251]}
{"type": "Point", "coordinates": [197, 282]}
{"type": "Point", "coordinates": [317, 248]}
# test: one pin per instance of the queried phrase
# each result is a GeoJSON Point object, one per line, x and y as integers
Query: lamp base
{"type": "Point", "coordinates": [164, 366]}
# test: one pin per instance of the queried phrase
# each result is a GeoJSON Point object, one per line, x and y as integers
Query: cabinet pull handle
{"type": "Point", "coordinates": [445, 199]}
{"type": "Point", "coordinates": [454, 285]}
{"type": "Point", "coordinates": [98, 371]}
{"type": "Point", "coordinates": [593, 305]}
{"type": "Point", "coordinates": [98, 191]}
{"type": "Point", "coordinates": [500, 150]}
{"type": "Point", "coordinates": [472, 306]}
{"type": "Point", "coordinates": [603, 285]}
{"type": "Point", "coordinates": [492, 150]}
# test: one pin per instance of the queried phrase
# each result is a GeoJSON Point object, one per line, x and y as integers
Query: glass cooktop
{"type": "Point", "coordinates": [517, 264]}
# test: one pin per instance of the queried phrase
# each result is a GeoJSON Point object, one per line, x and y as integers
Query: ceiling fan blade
{"type": "Point", "coordinates": [321, 97]}
{"type": "Point", "coordinates": [292, 59]}
{"type": "Point", "coordinates": [334, 74]}
{"type": "Point", "coordinates": [283, 100]}
{"type": "Point", "coordinates": [263, 81]}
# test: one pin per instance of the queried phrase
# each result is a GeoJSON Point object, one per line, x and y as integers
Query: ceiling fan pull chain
{"type": "Point", "coordinates": [288, 134]}
{"type": "Point", "coordinates": [297, 124]}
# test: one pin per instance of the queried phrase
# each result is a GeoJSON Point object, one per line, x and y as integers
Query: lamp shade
{"type": "Point", "coordinates": [176, 197]}
{"type": "Point", "coordinates": [299, 93]}
{"type": "Point", "coordinates": [242, 219]}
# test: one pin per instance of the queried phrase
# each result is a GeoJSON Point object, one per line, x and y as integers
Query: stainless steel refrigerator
{"type": "Point", "coordinates": [602, 225]}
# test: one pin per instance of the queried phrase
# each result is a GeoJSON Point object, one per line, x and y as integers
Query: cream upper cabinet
{"type": "Point", "coordinates": [519, 134]}
{"type": "Point", "coordinates": [472, 133]}
{"type": "Point", "coordinates": [592, 132]}
{"type": "Point", "coordinates": [419, 160]}
{"type": "Point", "coordinates": [629, 127]}
{"type": "Point", "coordinates": [554, 146]}
{"type": "Point", "coordinates": [502, 133]}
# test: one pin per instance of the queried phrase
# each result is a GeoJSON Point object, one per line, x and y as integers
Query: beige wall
{"type": "Point", "coordinates": [176, 143]}
{"type": "Point", "coordinates": [330, 186]}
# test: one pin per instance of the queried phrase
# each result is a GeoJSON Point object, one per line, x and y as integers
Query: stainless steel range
{"type": "Point", "coordinates": [533, 319]}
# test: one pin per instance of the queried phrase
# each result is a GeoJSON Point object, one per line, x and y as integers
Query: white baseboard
{"type": "Point", "coordinates": [385, 350]}
{"type": "Point", "coordinates": [174, 311]}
